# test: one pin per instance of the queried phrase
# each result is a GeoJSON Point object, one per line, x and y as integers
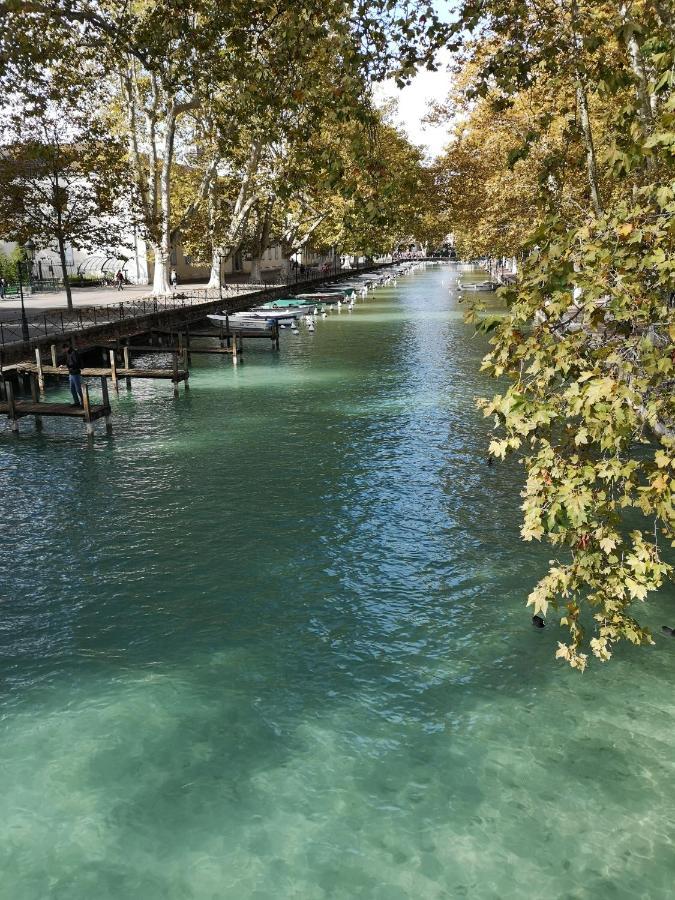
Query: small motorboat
{"type": "Point", "coordinates": [243, 322]}
{"type": "Point", "coordinates": [276, 315]}
{"type": "Point", "coordinates": [291, 305]}
{"type": "Point", "coordinates": [480, 286]}
{"type": "Point", "coordinates": [327, 298]}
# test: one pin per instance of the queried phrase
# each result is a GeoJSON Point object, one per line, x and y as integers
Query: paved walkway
{"type": "Point", "coordinates": [98, 296]}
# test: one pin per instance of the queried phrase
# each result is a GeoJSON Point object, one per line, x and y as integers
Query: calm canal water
{"type": "Point", "coordinates": [269, 642]}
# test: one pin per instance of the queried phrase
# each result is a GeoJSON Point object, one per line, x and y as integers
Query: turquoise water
{"type": "Point", "coordinates": [269, 641]}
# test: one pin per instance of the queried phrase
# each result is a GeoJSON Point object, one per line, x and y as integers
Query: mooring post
{"type": "Point", "coordinates": [186, 366]}
{"type": "Point", "coordinates": [88, 424]}
{"type": "Point", "coordinates": [127, 365]}
{"type": "Point", "coordinates": [35, 397]}
{"type": "Point", "coordinates": [234, 349]}
{"type": "Point", "coordinates": [276, 335]}
{"type": "Point", "coordinates": [106, 403]}
{"type": "Point", "coordinates": [222, 336]}
{"type": "Point", "coordinates": [40, 373]}
{"type": "Point", "coordinates": [175, 374]}
{"type": "Point", "coordinates": [113, 371]}
{"type": "Point", "coordinates": [188, 357]}
{"type": "Point", "coordinates": [13, 420]}
{"type": "Point", "coordinates": [55, 361]}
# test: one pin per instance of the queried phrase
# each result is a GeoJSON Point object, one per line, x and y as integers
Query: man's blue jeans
{"type": "Point", "coordinates": [75, 382]}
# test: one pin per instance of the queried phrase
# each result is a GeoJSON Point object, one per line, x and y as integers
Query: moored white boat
{"type": "Point", "coordinates": [240, 322]}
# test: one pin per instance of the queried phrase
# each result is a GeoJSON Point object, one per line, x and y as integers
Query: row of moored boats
{"type": "Point", "coordinates": [288, 312]}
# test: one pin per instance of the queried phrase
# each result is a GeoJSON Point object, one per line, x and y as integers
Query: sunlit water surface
{"type": "Point", "coordinates": [269, 641]}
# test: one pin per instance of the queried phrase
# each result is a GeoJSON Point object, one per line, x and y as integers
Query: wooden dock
{"type": "Point", "coordinates": [113, 372]}
{"type": "Point", "coordinates": [89, 412]}
{"type": "Point", "coordinates": [228, 337]}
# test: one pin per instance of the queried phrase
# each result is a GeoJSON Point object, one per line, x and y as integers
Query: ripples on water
{"type": "Point", "coordinates": [269, 641]}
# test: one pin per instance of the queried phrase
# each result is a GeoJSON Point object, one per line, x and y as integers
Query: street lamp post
{"type": "Point", "coordinates": [29, 248]}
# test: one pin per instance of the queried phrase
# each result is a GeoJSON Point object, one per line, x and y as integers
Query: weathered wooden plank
{"type": "Point", "coordinates": [99, 372]}
{"type": "Point", "coordinates": [26, 408]}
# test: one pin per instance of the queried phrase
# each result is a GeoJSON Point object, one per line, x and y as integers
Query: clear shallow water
{"type": "Point", "coordinates": [269, 642]}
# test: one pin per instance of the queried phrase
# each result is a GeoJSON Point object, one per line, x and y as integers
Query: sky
{"type": "Point", "coordinates": [413, 104]}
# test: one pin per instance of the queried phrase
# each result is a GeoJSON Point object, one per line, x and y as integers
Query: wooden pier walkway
{"type": "Point", "coordinates": [101, 372]}
{"type": "Point", "coordinates": [89, 412]}
{"type": "Point", "coordinates": [113, 372]}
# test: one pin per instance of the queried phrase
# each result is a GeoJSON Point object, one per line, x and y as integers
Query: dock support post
{"type": "Point", "coordinates": [88, 424]}
{"type": "Point", "coordinates": [113, 371]}
{"type": "Point", "coordinates": [222, 336]}
{"type": "Point", "coordinates": [127, 365]}
{"type": "Point", "coordinates": [235, 359]}
{"type": "Point", "coordinates": [276, 336]}
{"type": "Point", "coordinates": [13, 421]}
{"type": "Point", "coordinates": [40, 373]}
{"type": "Point", "coordinates": [35, 397]}
{"type": "Point", "coordinates": [175, 374]}
{"type": "Point", "coordinates": [186, 357]}
{"type": "Point", "coordinates": [54, 357]}
{"type": "Point", "coordinates": [106, 402]}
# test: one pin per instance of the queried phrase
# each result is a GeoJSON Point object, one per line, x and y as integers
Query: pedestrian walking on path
{"type": "Point", "coordinates": [3, 288]}
{"type": "Point", "coordinates": [173, 279]}
{"type": "Point", "coordinates": [119, 278]}
{"type": "Point", "coordinates": [74, 374]}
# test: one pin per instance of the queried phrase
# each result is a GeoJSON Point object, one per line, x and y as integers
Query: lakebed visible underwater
{"type": "Point", "coordinates": [269, 641]}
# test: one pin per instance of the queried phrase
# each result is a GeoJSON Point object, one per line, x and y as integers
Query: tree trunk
{"type": "Point", "coordinates": [215, 274]}
{"type": "Point", "coordinates": [287, 272]}
{"type": "Point", "coordinates": [256, 270]}
{"type": "Point", "coordinates": [160, 283]}
{"type": "Point", "coordinates": [160, 280]}
{"type": "Point", "coordinates": [591, 165]}
{"type": "Point", "coordinates": [637, 65]}
{"type": "Point", "coordinates": [66, 280]}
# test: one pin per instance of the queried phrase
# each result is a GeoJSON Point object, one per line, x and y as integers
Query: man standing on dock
{"type": "Point", "coordinates": [74, 374]}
